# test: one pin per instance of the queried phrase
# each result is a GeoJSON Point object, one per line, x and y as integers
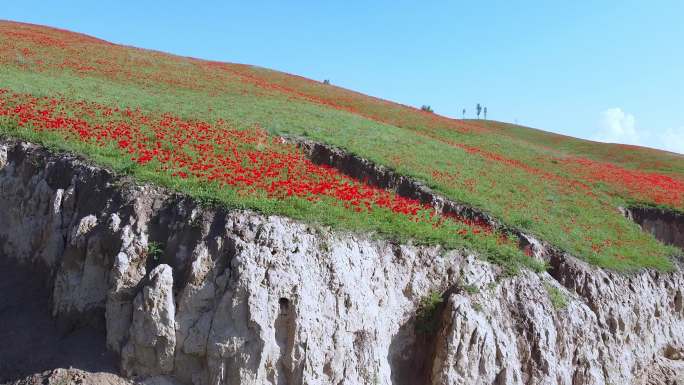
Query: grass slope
{"type": "Point", "coordinates": [564, 190]}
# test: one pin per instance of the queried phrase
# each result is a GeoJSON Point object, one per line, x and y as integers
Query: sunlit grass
{"type": "Point", "coordinates": [520, 177]}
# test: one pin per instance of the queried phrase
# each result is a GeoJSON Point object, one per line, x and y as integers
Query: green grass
{"type": "Point", "coordinates": [427, 315]}
{"type": "Point", "coordinates": [471, 289]}
{"type": "Point", "coordinates": [380, 223]}
{"type": "Point", "coordinates": [558, 300]}
{"type": "Point", "coordinates": [383, 144]}
{"type": "Point", "coordinates": [155, 251]}
{"type": "Point", "coordinates": [420, 145]}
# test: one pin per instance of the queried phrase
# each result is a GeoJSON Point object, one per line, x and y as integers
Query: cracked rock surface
{"type": "Point", "coordinates": [206, 296]}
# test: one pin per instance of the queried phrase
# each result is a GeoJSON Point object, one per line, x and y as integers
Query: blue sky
{"type": "Point", "coordinates": [612, 71]}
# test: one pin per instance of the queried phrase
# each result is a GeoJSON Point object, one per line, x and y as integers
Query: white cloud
{"type": "Point", "coordinates": [618, 126]}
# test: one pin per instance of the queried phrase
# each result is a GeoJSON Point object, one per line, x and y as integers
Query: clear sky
{"type": "Point", "coordinates": [606, 70]}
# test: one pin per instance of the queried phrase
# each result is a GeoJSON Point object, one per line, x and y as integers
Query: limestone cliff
{"type": "Point", "coordinates": [211, 296]}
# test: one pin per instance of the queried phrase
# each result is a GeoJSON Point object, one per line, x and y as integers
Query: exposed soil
{"type": "Point", "coordinates": [71, 377]}
{"type": "Point", "coordinates": [31, 340]}
{"type": "Point", "coordinates": [665, 225]}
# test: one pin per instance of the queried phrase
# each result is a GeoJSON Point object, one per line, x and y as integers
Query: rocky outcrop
{"type": "Point", "coordinates": [602, 332]}
{"type": "Point", "coordinates": [149, 350]}
{"type": "Point", "coordinates": [208, 296]}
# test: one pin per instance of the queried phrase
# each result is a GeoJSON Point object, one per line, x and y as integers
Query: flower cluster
{"type": "Point", "coordinates": [249, 161]}
{"type": "Point", "coordinates": [84, 55]}
{"type": "Point", "coordinates": [646, 186]}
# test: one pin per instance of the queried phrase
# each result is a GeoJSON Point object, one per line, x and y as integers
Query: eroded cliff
{"type": "Point", "coordinates": [214, 296]}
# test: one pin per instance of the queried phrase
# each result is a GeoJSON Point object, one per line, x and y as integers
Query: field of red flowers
{"type": "Point", "coordinates": [247, 159]}
{"type": "Point", "coordinates": [208, 126]}
{"type": "Point", "coordinates": [250, 162]}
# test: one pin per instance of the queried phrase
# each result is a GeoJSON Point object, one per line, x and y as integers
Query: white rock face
{"type": "Point", "coordinates": [612, 327]}
{"type": "Point", "coordinates": [152, 334]}
{"type": "Point", "coordinates": [240, 298]}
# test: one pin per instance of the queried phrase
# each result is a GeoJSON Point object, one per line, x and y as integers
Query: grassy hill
{"type": "Point", "coordinates": [212, 130]}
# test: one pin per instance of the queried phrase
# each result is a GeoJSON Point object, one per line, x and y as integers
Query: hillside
{"type": "Point", "coordinates": [170, 220]}
{"type": "Point", "coordinates": [213, 130]}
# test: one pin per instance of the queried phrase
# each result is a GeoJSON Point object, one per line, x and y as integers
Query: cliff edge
{"type": "Point", "coordinates": [202, 295]}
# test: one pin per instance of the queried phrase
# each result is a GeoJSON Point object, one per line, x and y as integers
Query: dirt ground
{"type": "Point", "coordinates": [31, 341]}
